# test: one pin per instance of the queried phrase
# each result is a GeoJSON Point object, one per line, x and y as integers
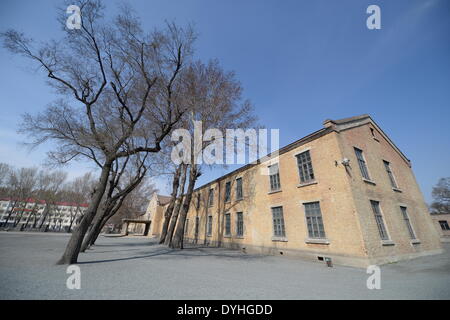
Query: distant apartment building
{"type": "Point", "coordinates": [442, 224]}
{"type": "Point", "coordinates": [33, 214]}
{"type": "Point", "coordinates": [344, 192]}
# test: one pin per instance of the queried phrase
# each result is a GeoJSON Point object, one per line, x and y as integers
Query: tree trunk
{"type": "Point", "coordinates": [177, 239]}
{"type": "Point", "coordinates": [32, 213]}
{"type": "Point", "coordinates": [95, 223]}
{"type": "Point", "coordinates": [173, 199]}
{"type": "Point", "coordinates": [174, 218]}
{"type": "Point", "coordinates": [10, 213]}
{"type": "Point", "coordinates": [97, 232]}
{"type": "Point", "coordinates": [19, 217]}
{"type": "Point", "coordinates": [44, 215]}
{"type": "Point", "coordinates": [72, 250]}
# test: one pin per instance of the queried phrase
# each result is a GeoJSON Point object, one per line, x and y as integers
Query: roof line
{"type": "Point", "coordinates": [308, 138]}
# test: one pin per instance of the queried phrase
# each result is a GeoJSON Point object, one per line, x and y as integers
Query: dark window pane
{"type": "Point", "coordinates": [305, 168]}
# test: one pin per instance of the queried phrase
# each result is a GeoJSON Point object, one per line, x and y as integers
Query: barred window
{"type": "Point", "coordinates": [209, 226]}
{"type": "Point", "coordinates": [197, 223]}
{"type": "Point", "coordinates": [379, 219]}
{"type": "Point", "coordinates": [239, 224]}
{"type": "Point", "coordinates": [314, 220]}
{"type": "Point", "coordinates": [186, 225]}
{"type": "Point", "coordinates": [274, 176]}
{"type": "Point", "coordinates": [408, 222]}
{"type": "Point", "coordinates": [387, 166]}
{"type": "Point", "coordinates": [444, 225]}
{"type": "Point", "coordinates": [227, 191]}
{"type": "Point", "coordinates": [211, 197]}
{"type": "Point", "coordinates": [362, 164]}
{"type": "Point", "coordinates": [199, 197]}
{"type": "Point", "coordinates": [239, 193]}
{"type": "Point", "coordinates": [227, 224]}
{"type": "Point", "coordinates": [278, 222]}
{"type": "Point", "coordinates": [305, 167]}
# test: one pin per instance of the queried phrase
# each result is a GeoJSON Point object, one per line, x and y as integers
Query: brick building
{"type": "Point", "coordinates": [345, 192]}
{"type": "Point", "coordinates": [442, 224]}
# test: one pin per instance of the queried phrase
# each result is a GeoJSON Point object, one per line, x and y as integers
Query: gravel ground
{"type": "Point", "coordinates": [138, 268]}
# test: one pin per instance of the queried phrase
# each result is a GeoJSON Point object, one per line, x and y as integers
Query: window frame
{"type": "Point", "coordinates": [444, 225]}
{"type": "Point", "coordinates": [278, 228]}
{"type": "Point", "coordinates": [406, 218]}
{"type": "Point", "coordinates": [239, 188]}
{"type": "Point", "coordinates": [197, 227]}
{"type": "Point", "coordinates": [211, 197]}
{"type": "Point", "coordinates": [227, 197]}
{"type": "Point", "coordinates": [186, 227]}
{"type": "Point", "coordinates": [391, 176]}
{"type": "Point", "coordinates": [309, 170]}
{"type": "Point", "coordinates": [240, 224]}
{"type": "Point", "coordinates": [227, 225]}
{"type": "Point", "coordinates": [274, 178]}
{"type": "Point", "coordinates": [379, 220]}
{"type": "Point", "coordinates": [314, 221]}
{"type": "Point", "coordinates": [362, 163]}
{"type": "Point", "coordinates": [209, 226]}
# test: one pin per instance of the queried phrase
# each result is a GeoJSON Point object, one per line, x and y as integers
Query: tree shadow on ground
{"type": "Point", "coordinates": [127, 244]}
{"type": "Point", "coordinates": [187, 253]}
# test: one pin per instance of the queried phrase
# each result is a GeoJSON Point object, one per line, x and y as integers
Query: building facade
{"type": "Point", "coordinates": [442, 224]}
{"type": "Point", "coordinates": [344, 192]}
{"type": "Point", "coordinates": [33, 214]}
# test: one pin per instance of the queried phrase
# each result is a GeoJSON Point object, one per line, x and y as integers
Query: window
{"type": "Point", "coordinates": [278, 222]}
{"type": "Point", "coordinates": [198, 200]}
{"type": "Point", "coordinates": [209, 226]}
{"type": "Point", "coordinates": [314, 220]}
{"type": "Point", "coordinates": [227, 224]}
{"type": "Point", "coordinates": [227, 191]}
{"type": "Point", "coordinates": [239, 193]}
{"type": "Point", "coordinates": [444, 225]}
{"type": "Point", "coordinates": [274, 176]}
{"type": "Point", "coordinates": [305, 168]}
{"type": "Point", "coordinates": [390, 174]}
{"type": "Point", "coordinates": [408, 223]}
{"type": "Point", "coordinates": [239, 224]}
{"type": "Point", "coordinates": [197, 223]}
{"type": "Point", "coordinates": [379, 219]}
{"type": "Point", "coordinates": [211, 197]}
{"type": "Point", "coordinates": [186, 225]}
{"type": "Point", "coordinates": [362, 164]}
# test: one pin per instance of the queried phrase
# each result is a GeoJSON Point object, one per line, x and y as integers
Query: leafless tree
{"type": "Point", "coordinates": [214, 97]}
{"type": "Point", "coordinates": [120, 90]}
{"type": "Point", "coordinates": [21, 186]}
{"type": "Point", "coordinates": [126, 175]}
{"type": "Point", "coordinates": [79, 192]}
{"type": "Point", "coordinates": [175, 194]}
{"type": "Point", "coordinates": [441, 197]}
{"type": "Point", "coordinates": [5, 171]}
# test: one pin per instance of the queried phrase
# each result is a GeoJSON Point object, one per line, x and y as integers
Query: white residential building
{"type": "Point", "coordinates": [32, 213]}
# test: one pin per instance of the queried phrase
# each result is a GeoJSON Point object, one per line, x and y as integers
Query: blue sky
{"type": "Point", "coordinates": [300, 62]}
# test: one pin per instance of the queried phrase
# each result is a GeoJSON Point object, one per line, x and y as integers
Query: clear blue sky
{"type": "Point", "coordinates": [300, 62]}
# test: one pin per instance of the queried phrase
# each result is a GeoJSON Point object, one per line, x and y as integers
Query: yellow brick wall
{"type": "Point", "coordinates": [409, 195]}
{"type": "Point", "coordinates": [352, 236]}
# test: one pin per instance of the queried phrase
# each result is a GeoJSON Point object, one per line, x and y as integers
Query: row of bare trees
{"type": "Point", "coordinates": [441, 197]}
{"type": "Point", "coordinates": [121, 93]}
{"type": "Point", "coordinates": [215, 101]}
{"type": "Point", "coordinates": [20, 185]}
